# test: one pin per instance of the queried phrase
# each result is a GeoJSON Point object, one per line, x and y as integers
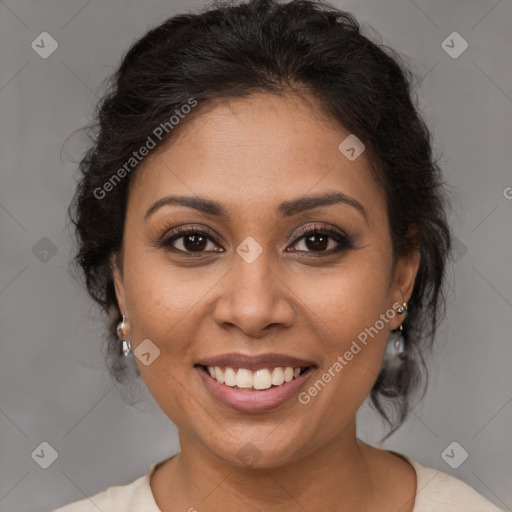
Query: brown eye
{"type": "Point", "coordinates": [318, 242]}
{"type": "Point", "coordinates": [322, 240]}
{"type": "Point", "coordinates": [195, 242]}
{"type": "Point", "coordinates": [190, 241]}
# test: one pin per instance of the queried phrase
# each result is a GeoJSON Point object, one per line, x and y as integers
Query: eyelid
{"type": "Point", "coordinates": [326, 228]}
{"type": "Point", "coordinates": [187, 228]}
{"type": "Point", "coordinates": [170, 236]}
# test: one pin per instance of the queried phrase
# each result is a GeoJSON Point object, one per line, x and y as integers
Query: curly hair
{"type": "Point", "coordinates": [233, 50]}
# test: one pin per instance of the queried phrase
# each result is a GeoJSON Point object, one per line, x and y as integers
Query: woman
{"type": "Point", "coordinates": [262, 218]}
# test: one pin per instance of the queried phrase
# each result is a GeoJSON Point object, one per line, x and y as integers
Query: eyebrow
{"type": "Point", "coordinates": [285, 209]}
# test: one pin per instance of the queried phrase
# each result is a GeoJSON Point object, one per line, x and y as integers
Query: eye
{"type": "Point", "coordinates": [190, 240]}
{"type": "Point", "coordinates": [314, 239]}
{"type": "Point", "coordinates": [319, 239]}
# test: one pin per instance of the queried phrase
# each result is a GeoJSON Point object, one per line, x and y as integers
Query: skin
{"type": "Point", "coordinates": [250, 155]}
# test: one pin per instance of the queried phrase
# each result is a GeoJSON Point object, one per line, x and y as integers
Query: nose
{"type": "Point", "coordinates": [254, 299]}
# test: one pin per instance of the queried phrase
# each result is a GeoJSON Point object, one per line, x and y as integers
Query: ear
{"type": "Point", "coordinates": [117, 276]}
{"type": "Point", "coordinates": [406, 269]}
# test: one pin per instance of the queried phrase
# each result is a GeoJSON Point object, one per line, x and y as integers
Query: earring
{"type": "Point", "coordinates": [398, 342]}
{"type": "Point", "coordinates": [126, 347]}
{"type": "Point", "coordinates": [402, 308]}
{"type": "Point", "coordinates": [395, 350]}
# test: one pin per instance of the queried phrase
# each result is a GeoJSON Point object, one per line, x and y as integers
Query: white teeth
{"type": "Point", "coordinates": [218, 375]}
{"type": "Point", "coordinates": [263, 378]}
{"type": "Point", "coordinates": [244, 378]}
{"type": "Point", "coordinates": [277, 376]}
{"type": "Point", "coordinates": [229, 377]}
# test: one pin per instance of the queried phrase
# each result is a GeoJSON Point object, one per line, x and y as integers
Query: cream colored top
{"type": "Point", "coordinates": [435, 492]}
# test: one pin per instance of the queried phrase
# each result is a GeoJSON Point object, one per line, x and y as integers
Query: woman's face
{"type": "Point", "coordinates": [255, 285]}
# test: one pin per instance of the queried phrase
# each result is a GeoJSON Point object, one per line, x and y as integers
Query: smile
{"type": "Point", "coordinates": [262, 387]}
{"type": "Point", "coordinates": [263, 378]}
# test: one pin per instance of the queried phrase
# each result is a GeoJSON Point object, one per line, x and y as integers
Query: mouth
{"type": "Point", "coordinates": [255, 384]}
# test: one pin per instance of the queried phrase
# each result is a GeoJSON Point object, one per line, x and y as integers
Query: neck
{"type": "Point", "coordinates": [333, 477]}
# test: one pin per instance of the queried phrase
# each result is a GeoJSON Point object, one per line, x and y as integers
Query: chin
{"type": "Point", "coordinates": [258, 451]}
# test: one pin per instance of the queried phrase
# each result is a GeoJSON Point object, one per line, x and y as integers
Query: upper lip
{"type": "Point", "coordinates": [269, 360]}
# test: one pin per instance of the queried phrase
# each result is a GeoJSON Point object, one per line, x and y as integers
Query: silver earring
{"type": "Point", "coordinates": [398, 343]}
{"type": "Point", "coordinates": [402, 308]}
{"type": "Point", "coordinates": [126, 347]}
{"type": "Point", "coordinates": [395, 349]}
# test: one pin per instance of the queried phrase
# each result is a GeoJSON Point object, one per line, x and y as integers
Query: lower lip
{"type": "Point", "coordinates": [252, 400]}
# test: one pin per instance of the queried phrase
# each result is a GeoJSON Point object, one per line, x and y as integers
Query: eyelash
{"type": "Point", "coordinates": [344, 241]}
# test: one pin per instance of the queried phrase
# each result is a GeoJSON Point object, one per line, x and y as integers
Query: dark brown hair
{"type": "Point", "coordinates": [232, 50]}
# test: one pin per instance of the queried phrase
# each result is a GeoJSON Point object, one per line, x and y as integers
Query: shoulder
{"type": "Point", "coordinates": [135, 496]}
{"type": "Point", "coordinates": [438, 491]}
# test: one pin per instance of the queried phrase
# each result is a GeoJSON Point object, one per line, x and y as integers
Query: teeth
{"type": "Point", "coordinates": [277, 376]}
{"type": "Point", "coordinates": [218, 375]}
{"type": "Point", "coordinates": [263, 378]}
{"type": "Point", "coordinates": [229, 377]}
{"type": "Point", "coordinates": [244, 378]}
{"type": "Point", "coordinates": [288, 374]}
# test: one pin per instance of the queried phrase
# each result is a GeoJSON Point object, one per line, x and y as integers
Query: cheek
{"type": "Point", "coordinates": [163, 312]}
{"type": "Point", "coordinates": [351, 299]}
{"type": "Point", "coordinates": [168, 307]}
{"type": "Point", "coordinates": [164, 300]}
{"type": "Point", "coordinates": [351, 306]}
{"type": "Point", "coordinates": [158, 310]}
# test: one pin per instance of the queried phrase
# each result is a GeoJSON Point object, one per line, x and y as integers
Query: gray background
{"type": "Point", "coordinates": [53, 380]}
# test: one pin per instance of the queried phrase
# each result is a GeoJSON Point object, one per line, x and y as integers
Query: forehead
{"type": "Point", "coordinates": [256, 152]}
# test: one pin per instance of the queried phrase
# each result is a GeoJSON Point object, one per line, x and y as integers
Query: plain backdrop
{"type": "Point", "coordinates": [54, 385]}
